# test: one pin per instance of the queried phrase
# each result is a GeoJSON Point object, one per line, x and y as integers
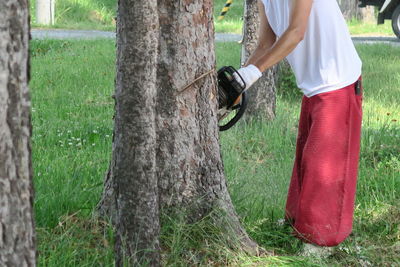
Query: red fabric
{"type": "Point", "coordinates": [321, 195]}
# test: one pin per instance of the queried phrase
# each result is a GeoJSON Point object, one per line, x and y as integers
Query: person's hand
{"type": "Point", "coordinates": [250, 75]}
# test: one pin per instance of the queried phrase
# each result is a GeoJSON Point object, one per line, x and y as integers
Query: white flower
{"type": "Point", "coordinates": [280, 222]}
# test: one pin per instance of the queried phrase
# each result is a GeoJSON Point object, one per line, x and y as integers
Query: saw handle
{"type": "Point", "coordinates": [229, 88]}
{"type": "Point", "coordinates": [232, 95]}
{"type": "Point", "coordinates": [241, 108]}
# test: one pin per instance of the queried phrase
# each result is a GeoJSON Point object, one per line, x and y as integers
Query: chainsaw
{"type": "Point", "coordinates": [232, 101]}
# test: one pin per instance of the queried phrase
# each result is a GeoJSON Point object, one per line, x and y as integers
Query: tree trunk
{"type": "Point", "coordinates": [176, 159]}
{"type": "Point", "coordinates": [262, 96]}
{"type": "Point", "coordinates": [351, 10]}
{"type": "Point", "coordinates": [131, 180]}
{"type": "Point", "coordinates": [367, 14]}
{"type": "Point", "coordinates": [17, 238]}
{"type": "Point", "coordinates": [45, 12]}
{"type": "Point", "coordinates": [189, 166]}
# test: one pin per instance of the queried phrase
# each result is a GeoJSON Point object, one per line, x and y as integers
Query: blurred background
{"type": "Point", "coordinates": [362, 16]}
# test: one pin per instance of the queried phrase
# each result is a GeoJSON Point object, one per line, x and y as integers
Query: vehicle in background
{"type": "Point", "coordinates": [388, 9]}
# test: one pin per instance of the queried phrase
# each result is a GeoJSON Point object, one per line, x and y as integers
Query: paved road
{"type": "Point", "coordinates": [373, 40]}
{"type": "Point", "coordinates": [219, 37]}
{"type": "Point", "coordinates": [70, 34]}
{"type": "Point", "coordinates": [84, 34]}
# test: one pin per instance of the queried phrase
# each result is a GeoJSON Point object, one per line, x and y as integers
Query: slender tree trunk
{"type": "Point", "coordinates": [367, 14]}
{"type": "Point", "coordinates": [183, 142]}
{"type": "Point", "coordinates": [132, 182]}
{"type": "Point", "coordinates": [45, 12]}
{"type": "Point", "coordinates": [351, 10]}
{"type": "Point", "coordinates": [17, 239]}
{"type": "Point", "coordinates": [262, 96]}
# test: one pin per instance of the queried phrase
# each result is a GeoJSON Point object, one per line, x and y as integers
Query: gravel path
{"type": "Point", "coordinates": [219, 37]}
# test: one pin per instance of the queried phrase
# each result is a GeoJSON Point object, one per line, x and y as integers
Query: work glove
{"type": "Point", "coordinates": [250, 75]}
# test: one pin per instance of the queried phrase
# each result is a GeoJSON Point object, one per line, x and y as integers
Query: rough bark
{"type": "Point", "coordinates": [189, 165]}
{"type": "Point", "coordinates": [188, 151]}
{"type": "Point", "coordinates": [131, 183]}
{"type": "Point", "coordinates": [189, 170]}
{"type": "Point", "coordinates": [351, 10]}
{"type": "Point", "coordinates": [262, 96]}
{"type": "Point", "coordinates": [17, 239]}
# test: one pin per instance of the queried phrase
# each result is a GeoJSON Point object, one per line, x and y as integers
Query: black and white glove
{"type": "Point", "coordinates": [250, 75]}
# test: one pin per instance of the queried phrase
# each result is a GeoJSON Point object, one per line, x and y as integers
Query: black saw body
{"type": "Point", "coordinates": [229, 91]}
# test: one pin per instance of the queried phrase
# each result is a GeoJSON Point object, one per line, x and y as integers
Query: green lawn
{"type": "Point", "coordinates": [371, 29]}
{"type": "Point", "coordinates": [72, 84]}
{"type": "Point", "coordinates": [81, 14]}
{"type": "Point", "coordinates": [232, 22]}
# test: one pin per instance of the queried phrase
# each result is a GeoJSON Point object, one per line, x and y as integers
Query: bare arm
{"type": "Point", "coordinates": [266, 36]}
{"type": "Point", "coordinates": [288, 41]}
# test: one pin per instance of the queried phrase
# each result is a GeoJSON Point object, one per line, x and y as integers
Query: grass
{"type": "Point", "coordinates": [72, 84]}
{"type": "Point", "coordinates": [100, 15]}
{"type": "Point", "coordinates": [232, 22]}
{"type": "Point", "coordinates": [370, 28]}
{"type": "Point", "coordinates": [81, 14]}
{"type": "Point", "coordinates": [72, 118]}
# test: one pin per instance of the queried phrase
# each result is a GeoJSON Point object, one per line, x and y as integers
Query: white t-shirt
{"type": "Point", "coordinates": [325, 60]}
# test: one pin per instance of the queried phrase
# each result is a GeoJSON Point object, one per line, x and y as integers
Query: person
{"type": "Point", "coordinates": [313, 36]}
